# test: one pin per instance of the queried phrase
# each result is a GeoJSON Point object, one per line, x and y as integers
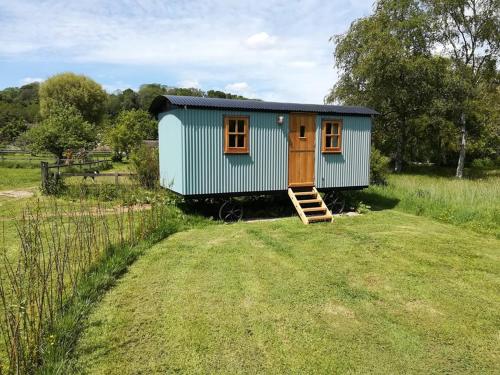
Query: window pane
{"type": "Point", "coordinates": [328, 128]}
{"type": "Point", "coordinates": [302, 131]}
{"type": "Point", "coordinates": [335, 128]}
{"type": "Point", "coordinates": [232, 140]}
{"type": "Point", "coordinates": [232, 126]}
{"type": "Point", "coordinates": [241, 141]}
{"type": "Point", "coordinates": [335, 141]}
{"type": "Point", "coordinates": [241, 126]}
{"type": "Point", "coordinates": [328, 142]}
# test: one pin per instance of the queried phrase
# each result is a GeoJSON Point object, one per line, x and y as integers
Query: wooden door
{"type": "Point", "coordinates": [301, 149]}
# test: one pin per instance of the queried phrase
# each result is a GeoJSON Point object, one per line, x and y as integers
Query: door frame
{"type": "Point", "coordinates": [313, 115]}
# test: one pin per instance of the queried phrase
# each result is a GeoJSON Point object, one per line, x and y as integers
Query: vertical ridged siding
{"type": "Point", "coordinates": [352, 166]}
{"type": "Point", "coordinates": [209, 171]}
{"type": "Point", "coordinates": [192, 159]}
{"type": "Point", "coordinates": [170, 134]}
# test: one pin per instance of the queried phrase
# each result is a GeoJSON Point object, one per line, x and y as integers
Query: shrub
{"type": "Point", "coordinates": [379, 165]}
{"type": "Point", "coordinates": [53, 185]}
{"type": "Point", "coordinates": [483, 163]}
{"type": "Point", "coordinates": [146, 165]}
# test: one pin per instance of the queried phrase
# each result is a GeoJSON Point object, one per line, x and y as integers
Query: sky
{"type": "Point", "coordinates": [272, 50]}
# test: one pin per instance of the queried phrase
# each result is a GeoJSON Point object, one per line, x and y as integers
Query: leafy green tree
{"type": "Point", "coordinates": [77, 91]}
{"type": "Point", "coordinates": [222, 95]}
{"type": "Point", "coordinates": [63, 129]}
{"type": "Point", "coordinates": [130, 129]}
{"type": "Point", "coordinates": [10, 130]}
{"type": "Point", "coordinates": [18, 109]}
{"type": "Point", "coordinates": [386, 63]}
{"type": "Point", "coordinates": [120, 101]}
{"type": "Point", "coordinates": [148, 92]}
{"type": "Point", "coordinates": [469, 31]}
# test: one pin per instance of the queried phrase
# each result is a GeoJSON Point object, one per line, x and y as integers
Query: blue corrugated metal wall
{"type": "Point", "coordinates": [352, 166]}
{"type": "Point", "coordinates": [198, 152]}
{"type": "Point", "coordinates": [170, 134]}
{"type": "Point", "coordinates": [210, 171]}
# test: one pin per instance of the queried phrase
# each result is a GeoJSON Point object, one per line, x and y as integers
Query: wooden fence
{"type": "Point", "coordinates": [46, 173]}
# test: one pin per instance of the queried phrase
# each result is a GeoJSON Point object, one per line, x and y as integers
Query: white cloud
{"type": "Point", "coordinates": [260, 40]}
{"type": "Point", "coordinates": [237, 87]}
{"type": "Point", "coordinates": [117, 86]}
{"type": "Point", "coordinates": [302, 64]}
{"type": "Point", "coordinates": [26, 80]}
{"type": "Point", "coordinates": [190, 84]}
{"type": "Point", "coordinates": [209, 41]}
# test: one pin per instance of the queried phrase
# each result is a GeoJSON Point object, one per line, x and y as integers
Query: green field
{"type": "Point", "coordinates": [473, 203]}
{"type": "Point", "coordinates": [22, 178]}
{"type": "Point", "coordinates": [386, 292]}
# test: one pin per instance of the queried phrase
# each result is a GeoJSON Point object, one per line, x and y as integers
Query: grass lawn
{"type": "Point", "coordinates": [17, 178]}
{"type": "Point", "coordinates": [387, 292]}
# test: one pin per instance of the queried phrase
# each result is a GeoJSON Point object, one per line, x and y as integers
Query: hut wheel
{"type": "Point", "coordinates": [230, 211]}
{"type": "Point", "coordinates": [335, 201]}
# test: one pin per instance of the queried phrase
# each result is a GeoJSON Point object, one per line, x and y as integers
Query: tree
{"type": "Point", "coordinates": [130, 129]}
{"type": "Point", "coordinates": [122, 100]}
{"type": "Point", "coordinates": [148, 92]}
{"type": "Point", "coordinates": [77, 91]}
{"type": "Point", "coordinates": [18, 109]}
{"type": "Point", "coordinates": [386, 63]}
{"type": "Point", "coordinates": [469, 31]}
{"type": "Point", "coordinates": [63, 129]}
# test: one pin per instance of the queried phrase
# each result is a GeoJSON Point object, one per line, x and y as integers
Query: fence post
{"type": "Point", "coordinates": [44, 168]}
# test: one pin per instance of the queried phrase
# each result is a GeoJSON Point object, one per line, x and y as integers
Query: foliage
{"type": "Point", "coordinates": [146, 165]}
{"type": "Point", "coordinates": [130, 129]}
{"type": "Point", "coordinates": [365, 295]}
{"type": "Point", "coordinates": [386, 64]}
{"type": "Point", "coordinates": [379, 167]}
{"type": "Point", "coordinates": [53, 185]}
{"type": "Point", "coordinates": [148, 92]}
{"type": "Point", "coordinates": [483, 163]}
{"type": "Point", "coordinates": [388, 61]}
{"type": "Point", "coordinates": [77, 91]}
{"type": "Point", "coordinates": [122, 101]}
{"type": "Point", "coordinates": [18, 109]}
{"type": "Point", "coordinates": [64, 128]}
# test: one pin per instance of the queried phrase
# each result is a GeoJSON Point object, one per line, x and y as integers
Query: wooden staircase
{"type": "Point", "coordinates": [309, 205]}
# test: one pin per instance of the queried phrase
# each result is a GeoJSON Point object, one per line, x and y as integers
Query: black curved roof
{"type": "Point", "coordinates": [165, 103]}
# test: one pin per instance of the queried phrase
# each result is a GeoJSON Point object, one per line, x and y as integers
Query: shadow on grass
{"type": "Point", "coordinates": [254, 207]}
{"type": "Point", "coordinates": [376, 201]}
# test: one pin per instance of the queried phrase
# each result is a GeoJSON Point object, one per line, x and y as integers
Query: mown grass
{"type": "Point", "coordinates": [472, 203]}
{"type": "Point", "coordinates": [384, 293]}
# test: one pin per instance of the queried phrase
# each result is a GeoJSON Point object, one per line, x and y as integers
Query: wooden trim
{"type": "Point", "coordinates": [331, 150]}
{"type": "Point", "coordinates": [246, 135]}
{"type": "Point", "coordinates": [301, 184]}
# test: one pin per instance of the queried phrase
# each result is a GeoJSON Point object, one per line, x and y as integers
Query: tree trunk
{"type": "Point", "coordinates": [400, 148]}
{"type": "Point", "coordinates": [461, 157]}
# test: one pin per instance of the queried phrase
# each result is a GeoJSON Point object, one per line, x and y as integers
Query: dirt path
{"type": "Point", "coordinates": [16, 193]}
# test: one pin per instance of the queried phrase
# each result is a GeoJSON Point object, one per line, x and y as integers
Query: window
{"type": "Point", "coordinates": [236, 135]}
{"type": "Point", "coordinates": [302, 131]}
{"type": "Point", "coordinates": [332, 136]}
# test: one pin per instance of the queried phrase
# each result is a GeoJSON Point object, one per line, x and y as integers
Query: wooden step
{"type": "Point", "coordinates": [316, 214]}
{"type": "Point", "coordinates": [317, 200]}
{"type": "Point", "coordinates": [320, 218]}
{"type": "Point", "coordinates": [314, 209]}
{"type": "Point", "coordinates": [301, 193]}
